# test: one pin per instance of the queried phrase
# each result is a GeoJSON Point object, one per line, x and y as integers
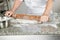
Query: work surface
{"type": "Point", "coordinates": [29, 30]}
{"type": "Point", "coordinates": [18, 28]}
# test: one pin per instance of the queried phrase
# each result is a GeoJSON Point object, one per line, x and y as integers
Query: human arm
{"type": "Point", "coordinates": [10, 12]}
{"type": "Point", "coordinates": [45, 16]}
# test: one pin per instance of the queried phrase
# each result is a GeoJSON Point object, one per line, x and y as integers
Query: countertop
{"type": "Point", "coordinates": [18, 28]}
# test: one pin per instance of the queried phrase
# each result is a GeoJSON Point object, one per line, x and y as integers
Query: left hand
{"type": "Point", "coordinates": [44, 18]}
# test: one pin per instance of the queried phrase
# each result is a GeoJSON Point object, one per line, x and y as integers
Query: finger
{"type": "Point", "coordinates": [44, 20]}
{"type": "Point", "coordinates": [5, 13]}
{"type": "Point", "coordinates": [9, 14]}
{"type": "Point", "coordinates": [14, 15]}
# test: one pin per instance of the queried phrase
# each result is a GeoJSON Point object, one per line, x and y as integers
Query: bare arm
{"type": "Point", "coordinates": [48, 7]}
{"type": "Point", "coordinates": [17, 3]}
{"type": "Point", "coordinates": [45, 16]}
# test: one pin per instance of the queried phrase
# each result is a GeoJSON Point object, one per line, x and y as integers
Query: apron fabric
{"type": "Point", "coordinates": [35, 7]}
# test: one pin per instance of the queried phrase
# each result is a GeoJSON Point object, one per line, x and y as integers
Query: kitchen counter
{"type": "Point", "coordinates": [18, 28]}
{"type": "Point", "coordinates": [29, 31]}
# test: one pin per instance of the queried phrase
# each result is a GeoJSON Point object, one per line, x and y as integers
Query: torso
{"type": "Point", "coordinates": [36, 6]}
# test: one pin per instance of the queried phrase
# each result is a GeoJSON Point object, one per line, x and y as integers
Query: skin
{"type": "Point", "coordinates": [43, 18]}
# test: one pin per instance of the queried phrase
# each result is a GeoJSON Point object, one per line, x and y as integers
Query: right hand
{"type": "Point", "coordinates": [9, 13]}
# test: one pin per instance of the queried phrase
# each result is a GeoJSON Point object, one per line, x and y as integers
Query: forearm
{"type": "Point", "coordinates": [17, 3]}
{"type": "Point", "coordinates": [48, 7]}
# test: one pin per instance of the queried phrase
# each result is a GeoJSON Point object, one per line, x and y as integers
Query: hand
{"type": "Point", "coordinates": [9, 13]}
{"type": "Point", "coordinates": [44, 18]}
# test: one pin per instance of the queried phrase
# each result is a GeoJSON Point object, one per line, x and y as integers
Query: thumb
{"type": "Point", "coordinates": [14, 15]}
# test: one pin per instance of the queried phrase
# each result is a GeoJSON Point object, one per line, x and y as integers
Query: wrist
{"type": "Point", "coordinates": [46, 14]}
{"type": "Point", "coordinates": [12, 10]}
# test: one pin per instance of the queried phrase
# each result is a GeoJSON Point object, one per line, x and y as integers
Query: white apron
{"type": "Point", "coordinates": [36, 7]}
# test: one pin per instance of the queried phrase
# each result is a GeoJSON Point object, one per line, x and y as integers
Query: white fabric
{"type": "Point", "coordinates": [36, 7]}
{"type": "Point", "coordinates": [21, 0]}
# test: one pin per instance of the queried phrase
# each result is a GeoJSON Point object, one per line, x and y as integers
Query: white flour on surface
{"type": "Point", "coordinates": [32, 26]}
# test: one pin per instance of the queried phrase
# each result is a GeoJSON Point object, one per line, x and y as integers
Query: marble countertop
{"type": "Point", "coordinates": [18, 28]}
